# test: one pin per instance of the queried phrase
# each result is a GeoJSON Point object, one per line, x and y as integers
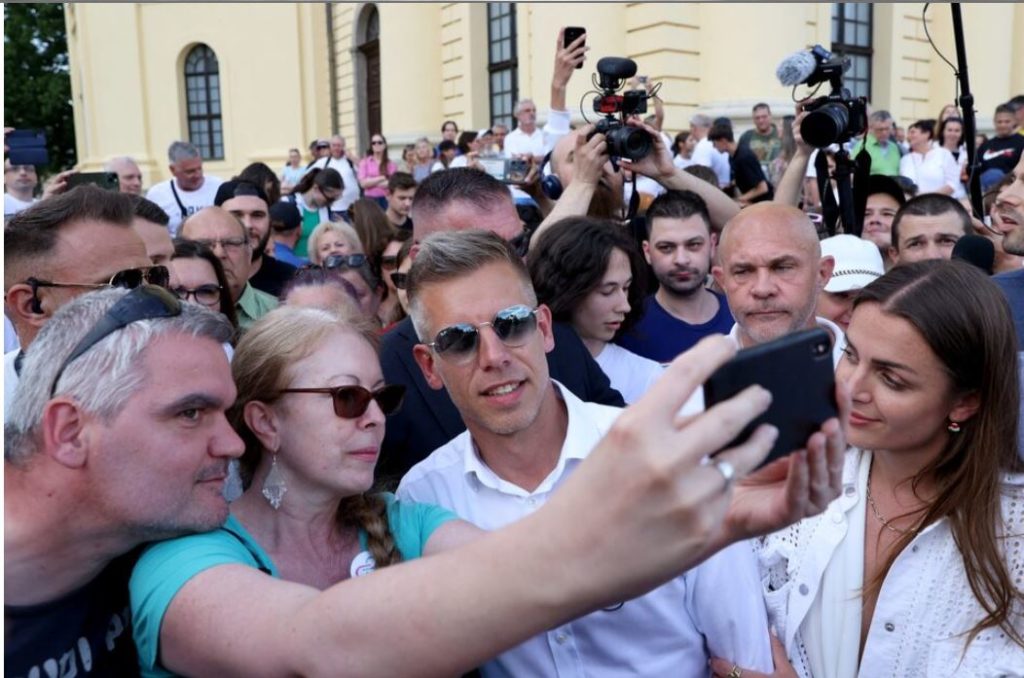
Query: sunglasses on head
{"type": "Point", "coordinates": [512, 325]}
{"type": "Point", "coordinates": [129, 278]}
{"type": "Point", "coordinates": [343, 261]}
{"type": "Point", "coordinates": [145, 302]}
{"type": "Point", "coordinates": [351, 402]}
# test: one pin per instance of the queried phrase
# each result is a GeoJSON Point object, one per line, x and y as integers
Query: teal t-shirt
{"type": "Point", "coordinates": [310, 220]}
{"type": "Point", "coordinates": [165, 567]}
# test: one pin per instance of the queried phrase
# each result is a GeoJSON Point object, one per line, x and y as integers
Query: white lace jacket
{"type": "Point", "coordinates": [925, 602]}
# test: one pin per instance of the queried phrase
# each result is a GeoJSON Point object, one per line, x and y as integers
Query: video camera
{"type": "Point", "coordinates": [836, 117]}
{"type": "Point", "coordinates": [623, 141]}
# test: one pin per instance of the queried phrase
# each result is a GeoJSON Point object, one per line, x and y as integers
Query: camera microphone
{"type": "Point", "coordinates": [796, 68]}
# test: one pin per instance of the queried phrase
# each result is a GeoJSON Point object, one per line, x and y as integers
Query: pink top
{"type": "Point", "coordinates": [370, 168]}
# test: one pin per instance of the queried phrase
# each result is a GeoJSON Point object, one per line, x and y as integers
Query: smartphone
{"type": "Point", "coordinates": [27, 147]}
{"type": "Point", "coordinates": [569, 37]}
{"type": "Point", "coordinates": [506, 170]}
{"type": "Point", "coordinates": [798, 370]}
{"type": "Point", "coordinates": [107, 180]}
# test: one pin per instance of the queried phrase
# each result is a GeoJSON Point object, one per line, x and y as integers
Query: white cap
{"type": "Point", "coordinates": [858, 262]}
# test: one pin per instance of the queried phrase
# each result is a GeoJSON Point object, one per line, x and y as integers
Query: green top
{"type": "Point", "coordinates": [166, 566]}
{"type": "Point", "coordinates": [884, 160]}
{"type": "Point", "coordinates": [310, 220]}
{"type": "Point", "coordinates": [253, 305]}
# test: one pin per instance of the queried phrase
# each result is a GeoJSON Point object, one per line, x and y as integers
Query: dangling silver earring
{"type": "Point", "coordinates": [274, 486]}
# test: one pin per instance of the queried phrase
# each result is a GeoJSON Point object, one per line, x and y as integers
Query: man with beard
{"type": "Point", "coordinates": [772, 272]}
{"type": "Point", "coordinates": [248, 203]}
{"type": "Point", "coordinates": [1008, 218]}
{"type": "Point", "coordinates": [679, 247]}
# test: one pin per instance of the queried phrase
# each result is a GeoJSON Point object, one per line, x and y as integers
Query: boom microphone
{"type": "Point", "coordinates": [977, 250]}
{"type": "Point", "coordinates": [796, 68]}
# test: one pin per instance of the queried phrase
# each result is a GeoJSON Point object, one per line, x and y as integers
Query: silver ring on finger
{"type": "Point", "coordinates": [727, 470]}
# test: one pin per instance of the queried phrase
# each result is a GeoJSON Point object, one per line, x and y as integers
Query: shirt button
{"type": "Point", "coordinates": [803, 589]}
{"type": "Point", "coordinates": [531, 501]}
{"type": "Point", "coordinates": [561, 638]}
{"type": "Point", "coordinates": [837, 517]}
{"type": "Point", "coordinates": [889, 626]}
{"type": "Point", "coordinates": [914, 548]}
{"type": "Point", "coordinates": [849, 490]}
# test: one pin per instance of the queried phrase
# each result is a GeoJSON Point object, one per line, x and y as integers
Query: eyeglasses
{"type": "Point", "coordinates": [399, 280]}
{"type": "Point", "coordinates": [343, 261]}
{"type": "Point", "coordinates": [207, 295]}
{"type": "Point", "coordinates": [351, 402]}
{"type": "Point", "coordinates": [225, 243]}
{"type": "Point", "coordinates": [378, 142]}
{"type": "Point", "coordinates": [147, 302]}
{"type": "Point", "coordinates": [513, 326]}
{"type": "Point", "coordinates": [129, 278]}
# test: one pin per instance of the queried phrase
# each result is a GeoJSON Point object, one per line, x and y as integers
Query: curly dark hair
{"type": "Point", "coordinates": [569, 260]}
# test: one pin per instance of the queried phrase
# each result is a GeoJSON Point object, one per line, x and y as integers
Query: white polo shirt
{"type": "Point", "coordinates": [716, 608]}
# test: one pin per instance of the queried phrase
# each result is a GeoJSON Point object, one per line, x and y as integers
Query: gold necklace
{"type": "Point", "coordinates": [878, 516]}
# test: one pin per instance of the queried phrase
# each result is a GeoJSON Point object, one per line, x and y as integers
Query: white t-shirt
{"type": "Point", "coordinates": [932, 170]}
{"type": "Point", "coordinates": [193, 201]}
{"type": "Point", "coordinates": [630, 374]}
{"type": "Point", "coordinates": [12, 205]}
{"type": "Point", "coordinates": [541, 140]}
{"type": "Point", "coordinates": [704, 153]}
{"type": "Point", "coordinates": [351, 191]}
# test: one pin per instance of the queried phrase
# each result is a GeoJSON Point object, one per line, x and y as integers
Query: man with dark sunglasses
{"type": "Point", "coordinates": [61, 248]}
{"type": "Point", "coordinates": [457, 200]}
{"type": "Point", "coordinates": [119, 437]}
{"type": "Point", "coordinates": [485, 340]}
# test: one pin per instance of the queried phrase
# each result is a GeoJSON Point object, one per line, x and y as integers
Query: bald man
{"type": "Point", "coordinates": [772, 272]}
{"type": "Point", "coordinates": [219, 230]}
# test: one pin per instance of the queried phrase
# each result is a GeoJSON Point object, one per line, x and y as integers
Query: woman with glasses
{"type": "Point", "coordinates": [312, 197]}
{"type": "Point", "coordinates": [333, 237]}
{"type": "Point", "coordinates": [198, 276]}
{"type": "Point", "coordinates": [590, 274]}
{"type": "Point", "coordinates": [311, 408]}
{"type": "Point", "coordinates": [375, 169]}
{"type": "Point", "coordinates": [395, 305]}
{"type": "Point", "coordinates": [916, 569]}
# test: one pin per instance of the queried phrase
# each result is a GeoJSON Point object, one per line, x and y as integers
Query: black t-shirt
{"type": "Point", "coordinates": [272, 276]}
{"type": "Point", "coordinates": [1002, 153]}
{"type": "Point", "coordinates": [747, 173]}
{"type": "Point", "coordinates": [85, 633]}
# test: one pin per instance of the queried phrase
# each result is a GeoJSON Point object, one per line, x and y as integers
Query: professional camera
{"type": "Point", "coordinates": [836, 117]}
{"type": "Point", "coordinates": [623, 141]}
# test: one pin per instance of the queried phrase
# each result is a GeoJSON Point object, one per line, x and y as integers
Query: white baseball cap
{"type": "Point", "coordinates": [858, 262]}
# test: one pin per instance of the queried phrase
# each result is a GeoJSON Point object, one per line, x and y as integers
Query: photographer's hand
{"type": "Point", "coordinates": [791, 185]}
{"type": "Point", "coordinates": [566, 60]}
{"type": "Point", "coordinates": [57, 184]}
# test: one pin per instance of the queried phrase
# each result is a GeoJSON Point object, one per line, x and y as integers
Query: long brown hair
{"type": "Point", "coordinates": [965, 320]}
{"type": "Point", "coordinates": [261, 367]}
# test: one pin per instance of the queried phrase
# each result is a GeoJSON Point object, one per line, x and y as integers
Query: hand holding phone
{"type": "Point", "coordinates": [798, 371]}
{"type": "Point", "coordinates": [570, 35]}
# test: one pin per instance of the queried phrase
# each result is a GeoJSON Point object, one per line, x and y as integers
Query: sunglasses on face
{"type": "Point", "coordinates": [378, 142]}
{"type": "Point", "coordinates": [513, 326]}
{"type": "Point", "coordinates": [351, 402]}
{"type": "Point", "coordinates": [207, 295]}
{"type": "Point", "coordinates": [399, 280]}
{"type": "Point", "coordinates": [389, 260]}
{"type": "Point", "coordinates": [146, 302]}
{"type": "Point", "coordinates": [129, 279]}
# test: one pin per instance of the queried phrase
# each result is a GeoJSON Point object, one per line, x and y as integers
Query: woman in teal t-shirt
{"type": "Point", "coordinates": [313, 197]}
{"type": "Point", "coordinates": [310, 409]}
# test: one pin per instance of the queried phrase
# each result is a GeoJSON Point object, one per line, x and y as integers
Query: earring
{"type": "Point", "coordinates": [274, 486]}
{"type": "Point", "coordinates": [954, 427]}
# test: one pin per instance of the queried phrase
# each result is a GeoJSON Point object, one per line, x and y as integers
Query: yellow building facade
{"type": "Point", "coordinates": [288, 73]}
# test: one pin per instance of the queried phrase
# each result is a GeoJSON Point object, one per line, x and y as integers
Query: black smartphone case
{"type": "Point", "coordinates": [798, 371]}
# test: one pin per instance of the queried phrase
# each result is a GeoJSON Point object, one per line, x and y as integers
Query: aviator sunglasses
{"type": "Point", "coordinates": [512, 325]}
{"type": "Point", "coordinates": [351, 402]}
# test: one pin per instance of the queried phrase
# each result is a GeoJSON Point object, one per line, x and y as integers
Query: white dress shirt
{"type": "Point", "coordinates": [713, 609]}
{"type": "Point", "coordinates": [541, 140]}
{"type": "Point", "coordinates": [932, 170]}
{"type": "Point", "coordinates": [923, 608]}
{"type": "Point", "coordinates": [630, 374]}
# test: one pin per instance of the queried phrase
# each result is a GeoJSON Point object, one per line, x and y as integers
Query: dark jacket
{"type": "Point", "coordinates": [428, 418]}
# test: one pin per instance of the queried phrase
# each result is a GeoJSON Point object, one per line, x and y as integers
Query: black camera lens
{"type": "Point", "coordinates": [629, 142]}
{"type": "Point", "coordinates": [825, 125]}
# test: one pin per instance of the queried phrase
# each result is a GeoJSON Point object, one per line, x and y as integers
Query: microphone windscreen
{"type": "Point", "coordinates": [977, 250]}
{"type": "Point", "coordinates": [796, 68]}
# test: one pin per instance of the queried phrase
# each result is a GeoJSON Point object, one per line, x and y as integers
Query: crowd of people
{"type": "Point", "coordinates": [366, 415]}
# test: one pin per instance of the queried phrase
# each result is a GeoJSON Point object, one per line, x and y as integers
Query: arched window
{"type": "Point", "coordinates": [202, 96]}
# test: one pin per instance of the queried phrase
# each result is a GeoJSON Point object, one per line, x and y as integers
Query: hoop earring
{"type": "Point", "coordinates": [274, 487]}
{"type": "Point", "coordinates": [954, 427]}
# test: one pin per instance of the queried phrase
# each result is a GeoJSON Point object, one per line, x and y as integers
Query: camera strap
{"type": "Point", "coordinates": [634, 201]}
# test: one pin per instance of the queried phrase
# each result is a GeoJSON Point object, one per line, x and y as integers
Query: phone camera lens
{"type": "Point", "coordinates": [820, 349]}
